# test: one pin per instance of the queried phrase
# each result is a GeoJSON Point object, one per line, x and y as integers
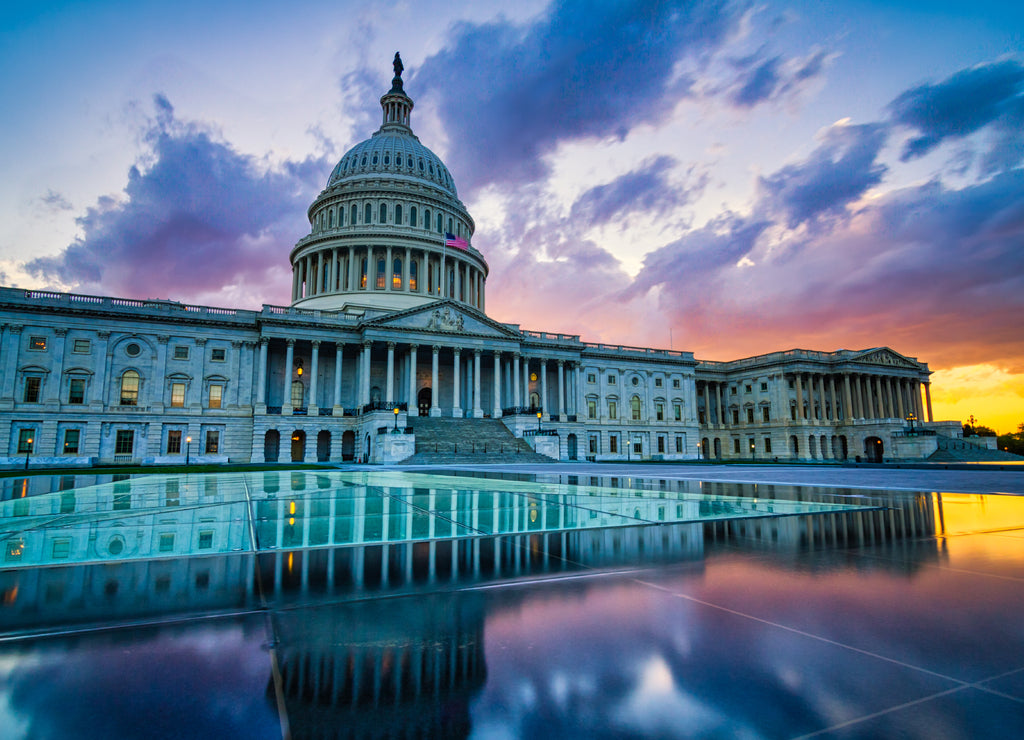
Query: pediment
{"type": "Point", "coordinates": [444, 317]}
{"type": "Point", "coordinates": [886, 357]}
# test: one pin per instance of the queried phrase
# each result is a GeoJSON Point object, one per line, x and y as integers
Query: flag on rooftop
{"type": "Point", "coordinates": [450, 240]}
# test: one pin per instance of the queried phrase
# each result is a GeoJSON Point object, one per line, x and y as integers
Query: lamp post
{"type": "Point", "coordinates": [911, 419]}
{"type": "Point", "coordinates": [188, 449]}
{"type": "Point", "coordinates": [28, 451]}
{"type": "Point", "coordinates": [396, 420]}
{"type": "Point", "coordinates": [539, 414]}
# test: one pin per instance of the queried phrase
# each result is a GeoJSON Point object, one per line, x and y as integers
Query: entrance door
{"type": "Point", "coordinates": [423, 401]}
{"type": "Point", "coordinates": [348, 445]}
{"type": "Point", "coordinates": [271, 446]}
{"type": "Point", "coordinates": [572, 446]}
{"type": "Point", "coordinates": [298, 445]}
{"type": "Point", "coordinates": [323, 446]}
{"type": "Point", "coordinates": [873, 451]}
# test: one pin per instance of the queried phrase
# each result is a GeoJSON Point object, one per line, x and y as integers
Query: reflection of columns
{"type": "Point", "coordinates": [456, 382]}
{"type": "Point", "coordinates": [314, 368]}
{"type": "Point", "coordinates": [799, 397]}
{"type": "Point", "coordinates": [496, 411]}
{"type": "Point", "coordinates": [478, 411]}
{"type": "Point", "coordinates": [365, 374]}
{"type": "Point", "coordinates": [561, 389]}
{"type": "Point", "coordinates": [338, 350]}
{"type": "Point", "coordinates": [928, 397]}
{"type": "Point", "coordinates": [261, 383]}
{"type": "Point", "coordinates": [847, 398]}
{"type": "Point", "coordinates": [413, 401]}
{"type": "Point", "coordinates": [544, 386]}
{"type": "Point", "coordinates": [435, 410]}
{"type": "Point", "coordinates": [289, 357]}
{"type": "Point", "coordinates": [389, 394]}
{"type": "Point", "coordinates": [515, 379]}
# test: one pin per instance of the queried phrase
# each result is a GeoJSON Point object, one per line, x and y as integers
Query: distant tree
{"type": "Point", "coordinates": [1014, 441]}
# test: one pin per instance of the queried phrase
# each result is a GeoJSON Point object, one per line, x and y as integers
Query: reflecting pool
{"type": "Point", "coordinates": [390, 604]}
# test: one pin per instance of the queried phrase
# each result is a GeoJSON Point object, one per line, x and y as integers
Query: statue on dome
{"type": "Point", "coordinates": [399, 67]}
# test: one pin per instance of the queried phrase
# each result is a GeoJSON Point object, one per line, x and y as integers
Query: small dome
{"type": "Point", "coordinates": [393, 153]}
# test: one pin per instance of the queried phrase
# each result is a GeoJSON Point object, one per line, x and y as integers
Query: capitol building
{"type": "Point", "coordinates": [386, 353]}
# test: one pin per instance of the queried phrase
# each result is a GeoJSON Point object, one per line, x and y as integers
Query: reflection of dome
{"type": "Point", "coordinates": [379, 229]}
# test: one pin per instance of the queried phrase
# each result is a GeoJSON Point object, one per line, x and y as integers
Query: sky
{"type": "Point", "coordinates": [726, 178]}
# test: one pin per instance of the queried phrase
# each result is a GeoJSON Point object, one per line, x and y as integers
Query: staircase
{"type": "Point", "coordinates": [961, 450]}
{"type": "Point", "coordinates": [444, 441]}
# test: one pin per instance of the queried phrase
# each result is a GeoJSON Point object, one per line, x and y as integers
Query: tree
{"type": "Point", "coordinates": [1014, 441]}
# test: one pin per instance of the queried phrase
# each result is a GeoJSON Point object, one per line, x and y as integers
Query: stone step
{"type": "Point", "coordinates": [451, 441]}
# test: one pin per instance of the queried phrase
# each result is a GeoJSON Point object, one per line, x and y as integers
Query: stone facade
{"type": "Point", "coordinates": [388, 315]}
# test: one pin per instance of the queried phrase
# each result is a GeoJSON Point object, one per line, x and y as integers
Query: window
{"type": "Point", "coordinates": [613, 410]}
{"type": "Point", "coordinates": [611, 380]}
{"type": "Point", "coordinates": [765, 413]}
{"type": "Point", "coordinates": [767, 444]}
{"type": "Point", "coordinates": [216, 395]}
{"type": "Point", "coordinates": [677, 412]}
{"type": "Point", "coordinates": [747, 388]}
{"type": "Point", "coordinates": [659, 411]}
{"type": "Point", "coordinates": [132, 350]}
{"type": "Point", "coordinates": [638, 446]}
{"type": "Point", "coordinates": [362, 273]}
{"type": "Point", "coordinates": [382, 215]}
{"type": "Point", "coordinates": [657, 382]}
{"type": "Point", "coordinates": [413, 216]}
{"type": "Point", "coordinates": [76, 391]}
{"type": "Point", "coordinates": [67, 502]}
{"type": "Point", "coordinates": [180, 352]}
{"type": "Point", "coordinates": [218, 354]}
{"type": "Point", "coordinates": [412, 276]}
{"type": "Point", "coordinates": [71, 437]}
{"type": "Point", "coordinates": [167, 542]}
{"type": "Point", "coordinates": [635, 380]}
{"type": "Point", "coordinates": [396, 274]}
{"type": "Point", "coordinates": [177, 395]}
{"type": "Point", "coordinates": [591, 408]}
{"type": "Point", "coordinates": [37, 343]}
{"type": "Point", "coordinates": [675, 382]}
{"type": "Point", "coordinates": [367, 213]}
{"type": "Point", "coordinates": [33, 383]}
{"type": "Point", "coordinates": [124, 443]}
{"type": "Point", "coordinates": [735, 416]}
{"type": "Point", "coordinates": [212, 442]}
{"type": "Point", "coordinates": [398, 214]}
{"type": "Point", "coordinates": [792, 384]}
{"type": "Point", "coordinates": [426, 213]}
{"type": "Point", "coordinates": [352, 219]}
{"type": "Point", "coordinates": [591, 378]}
{"type": "Point", "coordinates": [440, 223]}
{"type": "Point", "coordinates": [330, 219]}
{"type": "Point", "coordinates": [732, 390]}
{"type": "Point", "coordinates": [81, 346]}
{"type": "Point", "coordinates": [25, 439]}
{"type": "Point", "coordinates": [206, 540]}
{"type": "Point", "coordinates": [593, 444]}
{"type": "Point", "coordinates": [61, 549]}
{"type": "Point", "coordinates": [661, 444]}
{"type": "Point", "coordinates": [736, 445]}
{"type": "Point", "coordinates": [613, 443]}
{"type": "Point", "coordinates": [381, 269]}
{"type": "Point", "coordinates": [750, 416]}
{"type": "Point", "coordinates": [679, 444]}
{"type": "Point", "coordinates": [634, 406]}
{"type": "Point", "coordinates": [174, 442]}
{"type": "Point", "coordinates": [298, 393]}
{"type": "Point", "coordinates": [764, 386]}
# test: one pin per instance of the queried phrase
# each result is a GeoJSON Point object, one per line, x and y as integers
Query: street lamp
{"type": "Point", "coordinates": [28, 451]}
{"type": "Point", "coordinates": [396, 420]}
{"type": "Point", "coordinates": [911, 419]}
{"type": "Point", "coordinates": [188, 449]}
{"type": "Point", "coordinates": [539, 413]}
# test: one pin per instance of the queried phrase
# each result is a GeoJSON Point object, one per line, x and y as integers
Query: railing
{"type": "Point", "coordinates": [575, 338]}
{"type": "Point", "coordinates": [273, 409]}
{"type": "Point", "coordinates": [570, 417]}
{"type": "Point", "coordinates": [522, 411]}
{"type": "Point", "coordinates": [327, 412]}
{"type": "Point", "coordinates": [163, 306]}
{"type": "Point", "coordinates": [625, 348]}
{"type": "Point", "coordinates": [392, 430]}
{"type": "Point", "coordinates": [123, 459]}
{"type": "Point", "coordinates": [916, 433]}
{"type": "Point", "coordinates": [300, 411]}
{"type": "Point", "coordinates": [540, 433]}
{"type": "Point", "coordinates": [384, 406]}
{"type": "Point", "coordinates": [350, 412]}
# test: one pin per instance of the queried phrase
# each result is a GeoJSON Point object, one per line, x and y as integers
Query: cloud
{"type": "Point", "coordinates": [646, 189]}
{"type": "Point", "coordinates": [760, 80]}
{"type": "Point", "coordinates": [964, 103]}
{"type": "Point", "coordinates": [840, 170]}
{"type": "Point", "coordinates": [581, 70]}
{"type": "Point", "coordinates": [55, 202]}
{"type": "Point", "coordinates": [197, 220]}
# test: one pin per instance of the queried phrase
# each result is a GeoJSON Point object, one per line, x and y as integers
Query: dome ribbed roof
{"type": "Point", "coordinates": [393, 153]}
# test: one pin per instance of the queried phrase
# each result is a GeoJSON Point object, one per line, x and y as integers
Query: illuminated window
{"type": "Point", "coordinates": [381, 271]}
{"type": "Point", "coordinates": [216, 394]}
{"type": "Point", "coordinates": [37, 343]}
{"type": "Point", "coordinates": [412, 276]}
{"type": "Point", "coordinates": [33, 383]}
{"type": "Point", "coordinates": [26, 440]}
{"type": "Point", "coordinates": [76, 391]}
{"type": "Point", "coordinates": [177, 395]}
{"type": "Point", "coordinates": [174, 442]}
{"type": "Point", "coordinates": [396, 274]}
{"type": "Point", "coordinates": [71, 437]}
{"type": "Point", "coordinates": [362, 273]}
{"type": "Point", "coordinates": [212, 442]}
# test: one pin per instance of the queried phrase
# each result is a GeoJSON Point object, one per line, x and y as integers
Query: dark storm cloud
{"type": "Point", "coordinates": [644, 190]}
{"type": "Point", "coordinates": [962, 104]}
{"type": "Point", "coordinates": [197, 216]}
{"type": "Point", "coordinates": [838, 172]}
{"type": "Point", "coordinates": [509, 94]}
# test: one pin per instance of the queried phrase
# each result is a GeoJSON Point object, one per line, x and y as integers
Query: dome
{"type": "Point", "coordinates": [393, 153]}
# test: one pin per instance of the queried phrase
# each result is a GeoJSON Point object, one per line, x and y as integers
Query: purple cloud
{"type": "Point", "coordinates": [581, 70]}
{"type": "Point", "coordinates": [644, 190]}
{"type": "Point", "coordinates": [962, 104]}
{"type": "Point", "coordinates": [197, 217]}
{"type": "Point", "coordinates": [760, 80]}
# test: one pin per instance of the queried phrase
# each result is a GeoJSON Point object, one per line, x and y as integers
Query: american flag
{"type": "Point", "coordinates": [450, 240]}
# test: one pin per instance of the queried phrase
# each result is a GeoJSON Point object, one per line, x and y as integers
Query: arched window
{"type": "Point", "coordinates": [634, 404]}
{"type": "Point", "coordinates": [383, 214]}
{"type": "Point", "coordinates": [396, 274]}
{"type": "Point", "coordinates": [352, 220]}
{"type": "Point", "coordinates": [362, 272]}
{"type": "Point", "coordinates": [330, 219]}
{"type": "Point", "coordinates": [412, 275]}
{"type": "Point", "coordinates": [381, 271]}
{"type": "Point", "coordinates": [398, 214]}
{"type": "Point", "coordinates": [426, 218]}
{"type": "Point", "coordinates": [440, 223]}
{"type": "Point", "coordinates": [412, 216]}
{"type": "Point", "coordinates": [451, 284]}
{"type": "Point", "coordinates": [130, 388]}
{"type": "Point", "coordinates": [367, 213]}
{"type": "Point", "coordinates": [451, 229]}
{"type": "Point", "coordinates": [341, 216]}
{"type": "Point", "coordinates": [298, 393]}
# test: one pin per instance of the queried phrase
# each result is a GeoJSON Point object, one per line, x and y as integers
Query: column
{"type": "Point", "coordinates": [289, 358]}
{"type": "Point", "coordinates": [832, 397]}
{"type": "Point", "coordinates": [314, 371]}
{"type": "Point", "coordinates": [561, 390]}
{"type": "Point", "coordinates": [319, 272]}
{"type": "Point", "coordinates": [821, 398]}
{"type": "Point", "coordinates": [413, 401]}
{"type": "Point", "coordinates": [799, 397]}
{"type": "Point", "coordinates": [435, 410]}
{"type": "Point", "coordinates": [496, 411]}
{"type": "Point", "coordinates": [478, 412]}
{"type": "Point", "coordinates": [515, 379]}
{"type": "Point", "coordinates": [261, 379]}
{"type": "Point", "coordinates": [351, 268]}
{"type": "Point", "coordinates": [407, 270]}
{"type": "Point", "coordinates": [577, 406]}
{"type": "Point", "coordinates": [707, 403]}
{"type": "Point", "coordinates": [544, 386]}
{"type": "Point", "coordinates": [295, 282]}
{"type": "Point", "coordinates": [365, 379]}
{"type": "Point", "coordinates": [389, 271]}
{"type": "Point", "coordinates": [456, 382]}
{"type": "Point", "coordinates": [719, 413]}
{"type": "Point", "coordinates": [847, 398]}
{"type": "Point", "coordinates": [928, 398]}
{"type": "Point", "coordinates": [338, 351]}
{"type": "Point", "coordinates": [899, 397]}
{"type": "Point", "coordinates": [389, 394]}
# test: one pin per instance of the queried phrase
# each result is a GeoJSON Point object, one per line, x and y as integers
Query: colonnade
{"type": "Point", "coordinates": [389, 269]}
